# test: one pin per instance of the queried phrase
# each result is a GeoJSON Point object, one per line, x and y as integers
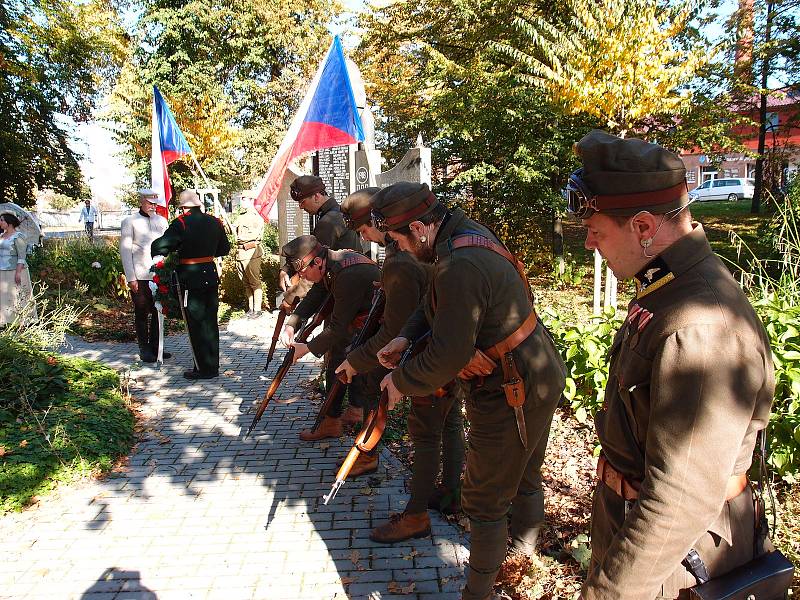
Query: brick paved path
{"type": "Point", "coordinates": [200, 513]}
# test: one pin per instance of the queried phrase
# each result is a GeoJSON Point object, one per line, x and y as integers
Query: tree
{"type": "Point", "coordinates": [622, 61]}
{"type": "Point", "coordinates": [501, 149]}
{"type": "Point", "coordinates": [57, 56]}
{"type": "Point", "coordinates": [232, 74]}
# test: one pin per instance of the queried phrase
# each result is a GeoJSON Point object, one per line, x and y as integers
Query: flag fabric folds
{"type": "Point", "coordinates": [168, 145]}
{"type": "Point", "coordinates": [327, 117]}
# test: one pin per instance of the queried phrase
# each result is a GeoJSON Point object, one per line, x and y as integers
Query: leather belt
{"type": "Point", "coordinates": [197, 261]}
{"type": "Point", "coordinates": [515, 339]}
{"type": "Point", "coordinates": [630, 491]}
{"type": "Point", "coordinates": [248, 245]}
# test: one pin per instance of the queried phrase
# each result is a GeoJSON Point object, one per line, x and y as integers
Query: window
{"type": "Point", "coordinates": [772, 121]}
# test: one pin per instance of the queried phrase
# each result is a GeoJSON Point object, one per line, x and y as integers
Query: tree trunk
{"type": "Point", "coordinates": [755, 207]}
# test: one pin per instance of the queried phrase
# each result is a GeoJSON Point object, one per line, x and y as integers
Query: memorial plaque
{"type": "Point", "coordinates": [333, 166]}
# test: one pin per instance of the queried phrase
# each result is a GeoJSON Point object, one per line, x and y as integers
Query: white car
{"type": "Point", "coordinates": [731, 189]}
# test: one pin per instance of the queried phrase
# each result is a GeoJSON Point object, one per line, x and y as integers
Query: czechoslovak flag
{"type": "Point", "coordinates": [327, 117]}
{"type": "Point", "coordinates": [168, 145]}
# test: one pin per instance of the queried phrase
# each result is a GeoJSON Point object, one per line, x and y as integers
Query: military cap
{"type": "Point", "coordinates": [356, 207]}
{"type": "Point", "coordinates": [629, 175]}
{"type": "Point", "coordinates": [402, 203]}
{"type": "Point", "coordinates": [147, 193]}
{"type": "Point", "coordinates": [301, 251]}
{"type": "Point", "coordinates": [188, 198]}
{"type": "Point", "coordinates": [305, 186]}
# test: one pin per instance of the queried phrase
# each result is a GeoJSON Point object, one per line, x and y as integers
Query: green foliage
{"type": "Point", "coordinates": [270, 238]}
{"type": "Point", "coordinates": [232, 74]}
{"type": "Point", "coordinates": [28, 376]}
{"type": "Point", "coordinates": [584, 349]}
{"type": "Point", "coordinates": [231, 288]}
{"type": "Point", "coordinates": [572, 274]}
{"type": "Point", "coordinates": [782, 321]}
{"type": "Point", "coordinates": [65, 263]}
{"type": "Point", "coordinates": [56, 55]}
{"type": "Point", "coordinates": [82, 431]}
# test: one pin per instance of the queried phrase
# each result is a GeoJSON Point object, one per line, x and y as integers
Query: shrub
{"type": "Point", "coordinates": [232, 290]}
{"type": "Point", "coordinates": [65, 263]}
{"type": "Point", "coordinates": [28, 375]}
{"type": "Point", "coordinates": [584, 349]}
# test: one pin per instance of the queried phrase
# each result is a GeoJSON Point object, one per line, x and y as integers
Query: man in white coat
{"type": "Point", "coordinates": [138, 232]}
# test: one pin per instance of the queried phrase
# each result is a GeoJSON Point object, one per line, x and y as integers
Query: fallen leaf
{"type": "Point", "coordinates": [228, 373]}
{"type": "Point", "coordinates": [290, 400]}
{"type": "Point", "coordinates": [411, 555]}
{"type": "Point", "coordinates": [23, 443]}
{"type": "Point", "coordinates": [324, 446]}
{"type": "Point", "coordinates": [347, 580]}
{"type": "Point", "coordinates": [366, 491]}
{"type": "Point", "coordinates": [4, 451]}
{"type": "Point", "coordinates": [355, 556]}
{"type": "Point", "coordinates": [92, 396]}
{"type": "Point", "coordinates": [397, 588]}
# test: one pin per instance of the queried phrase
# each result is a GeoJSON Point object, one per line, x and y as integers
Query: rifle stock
{"type": "Point", "coordinates": [277, 333]}
{"type": "Point", "coordinates": [302, 336]}
{"type": "Point", "coordinates": [369, 329]}
{"type": "Point", "coordinates": [372, 432]}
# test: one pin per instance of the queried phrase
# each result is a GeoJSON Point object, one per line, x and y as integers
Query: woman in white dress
{"type": "Point", "coordinates": [15, 281]}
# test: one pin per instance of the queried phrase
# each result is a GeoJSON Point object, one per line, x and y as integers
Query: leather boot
{"type": "Point", "coordinates": [527, 517]}
{"type": "Point", "coordinates": [402, 526]}
{"type": "Point", "coordinates": [352, 415]}
{"type": "Point", "coordinates": [445, 500]}
{"type": "Point", "coordinates": [487, 550]}
{"type": "Point", "coordinates": [330, 427]}
{"type": "Point", "coordinates": [365, 464]}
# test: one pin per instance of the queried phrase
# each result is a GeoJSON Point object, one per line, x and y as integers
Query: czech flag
{"type": "Point", "coordinates": [168, 145]}
{"type": "Point", "coordinates": [327, 117]}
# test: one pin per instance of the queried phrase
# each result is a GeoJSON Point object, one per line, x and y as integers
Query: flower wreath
{"type": "Point", "coordinates": [164, 297]}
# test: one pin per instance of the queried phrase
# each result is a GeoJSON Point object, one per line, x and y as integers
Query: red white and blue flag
{"type": "Point", "coordinates": [168, 145]}
{"type": "Point", "coordinates": [327, 117]}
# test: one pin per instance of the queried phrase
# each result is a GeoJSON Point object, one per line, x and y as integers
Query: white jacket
{"type": "Point", "coordinates": [138, 232]}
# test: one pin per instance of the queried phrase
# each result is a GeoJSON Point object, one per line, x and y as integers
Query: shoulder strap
{"type": "Point", "coordinates": [356, 259]}
{"type": "Point", "coordinates": [478, 240]}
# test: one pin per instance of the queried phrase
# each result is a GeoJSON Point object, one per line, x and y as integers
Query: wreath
{"type": "Point", "coordinates": [164, 296]}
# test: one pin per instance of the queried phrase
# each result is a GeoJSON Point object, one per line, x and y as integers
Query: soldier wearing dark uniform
{"type": "Point", "coordinates": [310, 194]}
{"type": "Point", "coordinates": [690, 382]}
{"type": "Point", "coordinates": [349, 276]}
{"type": "Point", "coordinates": [436, 425]}
{"type": "Point", "coordinates": [197, 238]}
{"type": "Point", "coordinates": [485, 331]}
{"type": "Point", "coordinates": [249, 230]}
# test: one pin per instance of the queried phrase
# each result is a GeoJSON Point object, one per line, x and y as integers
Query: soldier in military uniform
{"type": "Point", "coordinates": [197, 238]}
{"type": "Point", "coordinates": [249, 230]}
{"type": "Point", "coordinates": [330, 230]}
{"type": "Point", "coordinates": [485, 331]}
{"type": "Point", "coordinates": [690, 382]}
{"type": "Point", "coordinates": [436, 425]}
{"type": "Point", "coordinates": [349, 276]}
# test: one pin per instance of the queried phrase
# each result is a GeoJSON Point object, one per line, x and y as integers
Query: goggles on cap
{"type": "Point", "coordinates": [379, 221]}
{"type": "Point", "coordinates": [580, 200]}
{"type": "Point", "coordinates": [351, 220]}
{"type": "Point", "coordinates": [301, 264]}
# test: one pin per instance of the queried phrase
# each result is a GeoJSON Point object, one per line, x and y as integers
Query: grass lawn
{"type": "Point", "coordinates": [80, 431]}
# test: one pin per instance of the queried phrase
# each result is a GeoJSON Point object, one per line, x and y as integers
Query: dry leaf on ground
{"type": "Point", "coordinates": [397, 588]}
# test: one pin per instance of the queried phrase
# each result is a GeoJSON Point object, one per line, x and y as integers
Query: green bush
{"type": "Point", "coordinates": [82, 431]}
{"type": "Point", "coordinates": [232, 290]}
{"type": "Point", "coordinates": [65, 263]}
{"type": "Point", "coordinates": [28, 376]}
{"type": "Point", "coordinates": [584, 349]}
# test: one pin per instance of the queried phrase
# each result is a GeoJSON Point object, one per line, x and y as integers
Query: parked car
{"type": "Point", "coordinates": [735, 188]}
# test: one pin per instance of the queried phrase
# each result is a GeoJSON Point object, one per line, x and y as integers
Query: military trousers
{"type": "Point", "coordinates": [249, 270]}
{"type": "Point", "coordinates": [436, 427]}
{"type": "Point", "coordinates": [502, 476]}
{"type": "Point", "coordinates": [201, 320]}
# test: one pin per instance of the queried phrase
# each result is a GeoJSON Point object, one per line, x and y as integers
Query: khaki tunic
{"type": "Point", "coordinates": [248, 228]}
{"type": "Point", "coordinates": [480, 300]}
{"type": "Point", "coordinates": [691, 381]}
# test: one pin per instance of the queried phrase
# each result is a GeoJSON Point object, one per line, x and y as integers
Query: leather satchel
{"type": "Point", "coordinates": [767, 577]}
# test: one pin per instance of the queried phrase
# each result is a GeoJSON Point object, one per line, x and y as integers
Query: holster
{"type": "Point", "coordinates": [513, 386]}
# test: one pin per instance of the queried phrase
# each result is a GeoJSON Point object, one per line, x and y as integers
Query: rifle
{"type": "Point", "coordinates": [370, 328]}
{"type": "Point", "coordinates": [372, 432]}
{"type": "Point", "coordinates": [278, 326]}
{"type": "Point", "coordinates": [302, 336]}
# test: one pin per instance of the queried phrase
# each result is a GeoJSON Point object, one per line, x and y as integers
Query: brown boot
{"type": "Point", "coordinates": [365, 464]}
{"type": "Point", "coordinates": [330, 427]}
{"type": "Point", "coordinates": [402, 526]}
{"type": "Point", "coordinates": [352, 415]}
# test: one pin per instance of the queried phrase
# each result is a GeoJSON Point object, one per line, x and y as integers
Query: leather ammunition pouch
{"type": "Point", "coordinates": [248, 245]}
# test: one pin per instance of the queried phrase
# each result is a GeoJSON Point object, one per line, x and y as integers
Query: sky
{"type": "Point", "coordinates": [103, 166]}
